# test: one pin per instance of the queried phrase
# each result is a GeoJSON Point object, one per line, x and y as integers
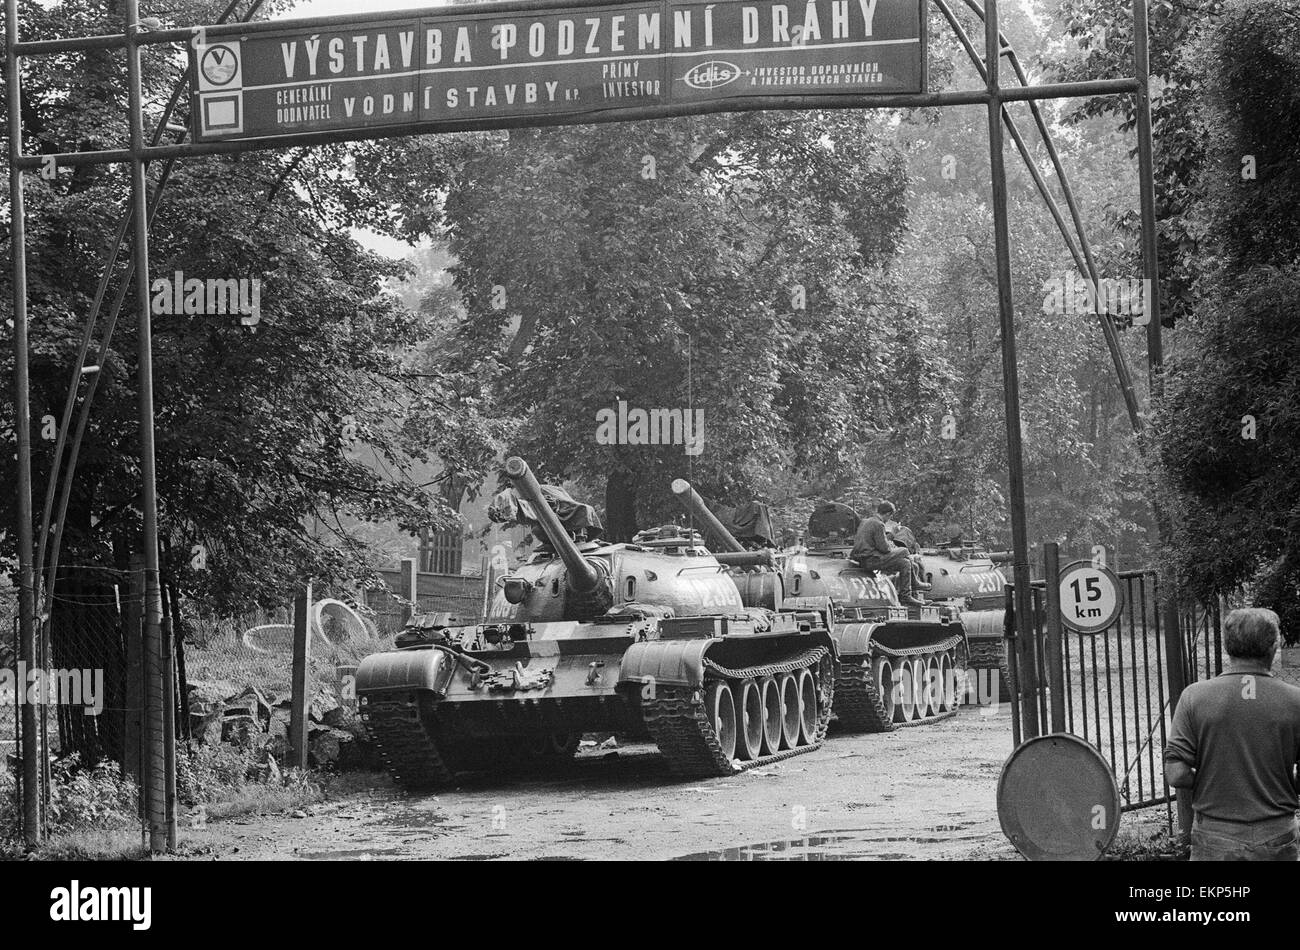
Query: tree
{"type": "Point", "coordinates": [1231, 423]}
{"type": "Point", "coordinates": [732, 265]}
{"type": "Point", "coordinates": [271, 438]}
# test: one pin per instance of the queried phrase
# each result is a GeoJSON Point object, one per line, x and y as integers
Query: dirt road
{"type": "Point", "coordinates": [916, 793]}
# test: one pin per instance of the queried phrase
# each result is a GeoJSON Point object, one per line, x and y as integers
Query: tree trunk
{"type": "Point", "coordinates": [620, 507]}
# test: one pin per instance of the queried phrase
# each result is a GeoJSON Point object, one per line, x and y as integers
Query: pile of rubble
{"type": "Point", "coordinates": [259, 719]}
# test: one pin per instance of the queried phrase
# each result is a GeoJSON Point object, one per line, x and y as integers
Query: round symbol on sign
{"type": "Point", "coordinates": [1091, 597]}
{"type": "Point", "coordinates": [219, 64]}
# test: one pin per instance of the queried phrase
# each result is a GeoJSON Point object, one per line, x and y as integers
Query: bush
{"type": "Point", "coordinates": [208, 773]}
{"type": "Point", "coordinates": [81, 798]}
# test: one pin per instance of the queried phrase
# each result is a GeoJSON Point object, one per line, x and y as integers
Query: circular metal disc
{"type": "Point", "coordinates": [1057, 800]}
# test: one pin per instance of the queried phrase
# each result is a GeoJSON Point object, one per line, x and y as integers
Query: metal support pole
{"type": "Point", "coordinates": [1055, 658]}
{"type": "Point", "coordinates": [133, 731]}
{"type": "Point", "coordinates": [1028, 665]}
{"type": "Point", "coordinates": [301, 667]}
{"type": "Point", "coordinates": [31, 750]}
{"type": "Point", "coordinates": [169, 731]}
{"type": "Point", "coordinates": [408, 588]}
{"type": "Point", "coordinates": [156, 750]}
{"type": "Point", "coordinates": [1174, 659]}
{"type": "Point", "coordinates": [1147, 194]}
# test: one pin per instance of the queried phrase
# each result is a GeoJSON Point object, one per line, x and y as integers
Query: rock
{"type": "Point", "coordinates": [324, 746]}
{"type": "Point", "coordinates": [207, 728]}
{"type": "Point", "coordinates": [323, 702]}
{"type": "Point", "coordinates": [273, 774]}
{"type": "Point", "coordinates": [252, 703]}
{"type": "Point", "coordinates": [277, 747]}
{"type": "Point", "coordinates": [337, 716]}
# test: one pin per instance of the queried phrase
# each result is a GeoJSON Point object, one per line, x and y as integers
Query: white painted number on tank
{"type": "Point", "coordinates": [864, 588]}
{"type": "Point", "coordinates": [988, 582]}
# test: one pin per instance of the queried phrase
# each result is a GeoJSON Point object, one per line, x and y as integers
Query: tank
{"type": "Point", "coordinates": [966, 577]}
{"type": "Point", "coordinates": [644, 640]}
{"type": "Point", "coordinates": [895, 666]}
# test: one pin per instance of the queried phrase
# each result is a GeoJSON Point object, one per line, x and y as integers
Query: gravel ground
{"type": "Point", "coordinates": [918, 793]}
{"type": "Point", "coordinates": [924, 792]}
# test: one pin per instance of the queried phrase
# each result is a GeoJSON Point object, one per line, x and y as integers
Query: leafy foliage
{"type": "Point", "coordinates": [1231, 426]}
{"type": "Point", "coordinates": [735, 264]}
{"type": "Point", "coordinates": [276, 443]}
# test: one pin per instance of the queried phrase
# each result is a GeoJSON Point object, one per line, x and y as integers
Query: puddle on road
{"type": "Point", "coordinates": [854, 844]}
{"type": "Point", "coordinates": [354, 854]}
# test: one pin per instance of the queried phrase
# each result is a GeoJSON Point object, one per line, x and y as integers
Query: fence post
{"type": "Point", "coordinates": [134, 693]}
{"type": "Point", "coordinates": [169, 727]}
{"type": "Point", "coordinates": [1052, 629]}
{"type": "Point", "coordinates": [1175, 664]}
{"type": "Point", "coordinates": [298, 703]}
{"type": "Point", "coordinates": [407, 584]}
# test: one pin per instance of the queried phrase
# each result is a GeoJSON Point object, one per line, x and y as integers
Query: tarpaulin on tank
{"type": "Point", "coordinates": [833, 518]}
{"type": "Point", "coordinates": [509, 508]}
{"type": "Point", "coordinates": [750, 522]}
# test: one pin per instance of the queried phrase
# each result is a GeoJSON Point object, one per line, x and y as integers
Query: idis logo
{"type": "Point", "coordinates": [711, 75]}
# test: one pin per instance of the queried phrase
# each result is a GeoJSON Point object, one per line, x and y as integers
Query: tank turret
{"type": "Point", "coordinates": [696, 506]}
{"type": "Point", "coordinates": [583, 576]}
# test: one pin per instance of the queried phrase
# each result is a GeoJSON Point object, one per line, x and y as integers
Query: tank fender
{"type": "Point", "coordinates": [406, 670]}
{"type": "Point", "coordinates": [854, 639]}
{"type": "Point", "coordinates": [983, 624]}
{"type": "Point", "coordinates": [670, 662]}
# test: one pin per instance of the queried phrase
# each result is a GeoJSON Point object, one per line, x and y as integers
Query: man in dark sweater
{"type": "Point", "coordinates": [873, 551]}
{"type": "Point", "coordinates": [1234, 746]}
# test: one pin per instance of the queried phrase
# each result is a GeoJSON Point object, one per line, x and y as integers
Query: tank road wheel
{"type": "Point", "coordinates": [773, 716]}
{"type": "Point", "coordinates": [947, 684]}
{"type": "Point", "coordinates": [749, 720]}
{"type": "Point", "coordinates": [933, 685]}
{"type": "Point", "coordinates": [886, 688]}
{"type": "Point", "coordinates": [905, 711]}
{"type": "Point", "coordinates": [808, 717]}
{"type": "Point", "coordinates": [789, 687]}
{"type": "Point", "coordinates": [919, 710]}
{"type": "Point", "coordinates": [721, 709]}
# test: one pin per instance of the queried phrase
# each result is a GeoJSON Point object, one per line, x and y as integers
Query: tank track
{"type": "Point", "coordinates": [680, 726]}
{"type": "Point", "coordinates": [409, 752]}
{"type": "Point", "coordinates": [859, 707]}
{"type": "Point", "coordinates": [990, 653]}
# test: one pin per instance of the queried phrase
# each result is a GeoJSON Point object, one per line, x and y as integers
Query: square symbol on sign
{"type": "Point", "coordinates": [222, 114]}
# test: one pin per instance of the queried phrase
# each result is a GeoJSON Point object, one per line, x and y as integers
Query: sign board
{"type": "Point", "coordinates": [481, 65]}
{"type": "Point", "coordinates": [1091, 597]}
{"type": "Point", "coordinates": [1058, 800]}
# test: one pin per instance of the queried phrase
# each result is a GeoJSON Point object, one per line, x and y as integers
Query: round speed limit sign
{"type": "Point", "coordinates": [1091, 597]}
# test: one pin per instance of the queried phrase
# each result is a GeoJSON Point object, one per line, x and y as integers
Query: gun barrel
{"type": "Point", "coordinates": [696, 506]}
{"type": "Point", "coordinates": [746, 558]}
{"type": "Point", "coordinates": [583, 577]}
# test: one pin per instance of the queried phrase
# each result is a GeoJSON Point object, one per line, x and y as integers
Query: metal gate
{"type": "Point", "coordinates": [1118, 691]}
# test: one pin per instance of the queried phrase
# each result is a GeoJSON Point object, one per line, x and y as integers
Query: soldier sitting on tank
{"type": "Point", "coordinates": [873, 551]}
{"type": "Point", "coordinates": [901, 534]}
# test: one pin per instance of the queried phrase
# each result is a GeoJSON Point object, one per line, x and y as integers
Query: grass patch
{"type": "Point", "coordinates": [264, 799]}
{"type": "Point", "coordinates": [93, 844]}
{"type": "Point", "coordinates": [1144, 836]}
